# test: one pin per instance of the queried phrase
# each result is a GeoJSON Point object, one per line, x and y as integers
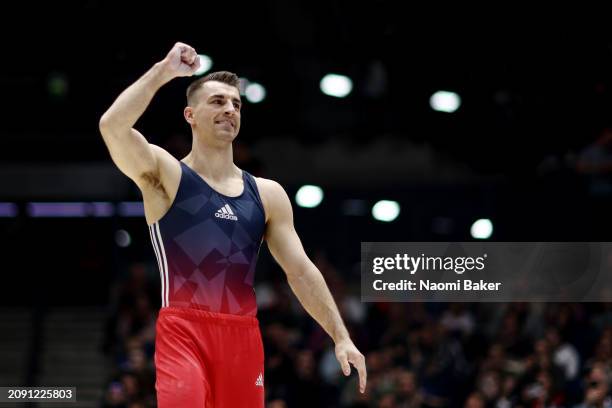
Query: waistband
{"type": "Point", "coordinates": [209, 317]}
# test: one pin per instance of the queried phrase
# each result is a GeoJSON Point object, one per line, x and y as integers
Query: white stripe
{"type": "Point", "coordinates": [229, 209]}
{"type": "Point", "coordinates": [164, 259]}
{"type": "Point", "coordinates": [159, 265]}
{"type": "Point", "coordinates": [223, 210]}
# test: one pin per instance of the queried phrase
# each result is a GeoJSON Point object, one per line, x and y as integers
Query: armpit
{"type": "Point", "coordinates": [153, 181]}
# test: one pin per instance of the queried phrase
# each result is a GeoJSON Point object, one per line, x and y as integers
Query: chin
{"type": "Point", "coordinates": [226, 136]}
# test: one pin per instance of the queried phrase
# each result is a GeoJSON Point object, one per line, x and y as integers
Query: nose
{"type": "Point", "coordinates": [229, 107]}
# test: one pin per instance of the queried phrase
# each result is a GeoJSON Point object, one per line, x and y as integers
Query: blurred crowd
{"type": "Point", "coordinates": [418, 354]}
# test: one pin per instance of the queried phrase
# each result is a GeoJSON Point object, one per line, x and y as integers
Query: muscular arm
{"type": "Point", "coordinates": [303, 276]}
{"type": "Point", "coordinates": [306, 280]}
{"type": "Point", "coordinates": [129, 149]}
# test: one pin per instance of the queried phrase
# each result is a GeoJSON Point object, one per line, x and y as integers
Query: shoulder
{"type": "Point", "coordinates": [273, 196]}
{"type": "Point", "coordinates": [163, 156]}
{"type": "Point", "coordinates": [268, 186]}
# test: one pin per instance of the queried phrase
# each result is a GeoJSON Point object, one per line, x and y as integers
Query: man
{"type": "Point", "coordinates": [207, 219]}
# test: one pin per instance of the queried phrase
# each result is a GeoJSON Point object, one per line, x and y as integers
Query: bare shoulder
{"type": "Point", "coordinates": [269, 190]}
{"type": "Point", "coordinates": [267, 185]}
{"type": "Point", "coordinates": [273, 196]}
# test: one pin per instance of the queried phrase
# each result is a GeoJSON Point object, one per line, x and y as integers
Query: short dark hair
{"type": "Point", "coordinates": [221, 76]}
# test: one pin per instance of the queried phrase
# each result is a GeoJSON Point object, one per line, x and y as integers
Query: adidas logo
{"type": "Point", "coordinates": [259, 381]}
{"type": "Point", "coordinates": [226, 212]}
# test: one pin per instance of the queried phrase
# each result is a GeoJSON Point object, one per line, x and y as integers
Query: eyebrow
{"type": "Point", "coordinates": [223, 96]}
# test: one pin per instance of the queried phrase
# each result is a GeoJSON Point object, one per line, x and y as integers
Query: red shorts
{"type": "Point", "coordinates": [206, 359]}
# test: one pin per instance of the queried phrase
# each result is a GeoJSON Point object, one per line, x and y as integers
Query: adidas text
{"type": "Point", "coordinates": [226, 216]}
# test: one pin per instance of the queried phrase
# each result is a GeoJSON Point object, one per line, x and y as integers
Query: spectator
{"type": "Point", "coordinates": [597, 392]}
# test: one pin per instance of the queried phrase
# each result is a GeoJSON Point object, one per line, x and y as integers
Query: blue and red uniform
{"type": "Point", "coordinates": [209, 351]}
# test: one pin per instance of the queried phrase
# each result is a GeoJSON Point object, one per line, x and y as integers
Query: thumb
{"type": "Point", "coordinates": [196, 64]}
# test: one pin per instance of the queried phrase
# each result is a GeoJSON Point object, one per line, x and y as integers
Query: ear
{"type": "Point", "coordinates": [188, 114]}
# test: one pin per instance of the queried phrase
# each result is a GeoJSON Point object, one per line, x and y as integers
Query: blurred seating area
{"type": "Point", "coordinates": [418, 354]}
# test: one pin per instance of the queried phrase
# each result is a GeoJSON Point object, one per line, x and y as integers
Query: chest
{"type": "Point", "coordinates": [232, 187]}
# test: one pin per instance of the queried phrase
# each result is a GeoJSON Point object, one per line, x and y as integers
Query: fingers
{"type": "Point", "coordinates": [185, 48]}
{"type": "Point", "coordinates": [196, 64]}
{"type": "Point", "coordinates": [347, 355]}
{"type": "Point", "coordinates": [358, 360]}
{"type": "Point", "coordinates": [189, 55]}
{"type": "Point", "coordinates": [343, 359]}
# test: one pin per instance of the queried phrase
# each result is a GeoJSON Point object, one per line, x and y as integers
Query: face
{"type": "Point", "coordinates": [215, 114]}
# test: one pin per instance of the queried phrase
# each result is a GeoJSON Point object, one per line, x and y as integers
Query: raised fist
{"type": "Point", "coordinates": [181, 61]}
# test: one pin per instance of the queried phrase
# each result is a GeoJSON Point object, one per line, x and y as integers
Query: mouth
{"type": "Point", "coordinates": [225, 123]}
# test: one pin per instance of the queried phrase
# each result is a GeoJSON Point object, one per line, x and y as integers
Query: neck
{"type": "Point", "coordinates": [212, 161]}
